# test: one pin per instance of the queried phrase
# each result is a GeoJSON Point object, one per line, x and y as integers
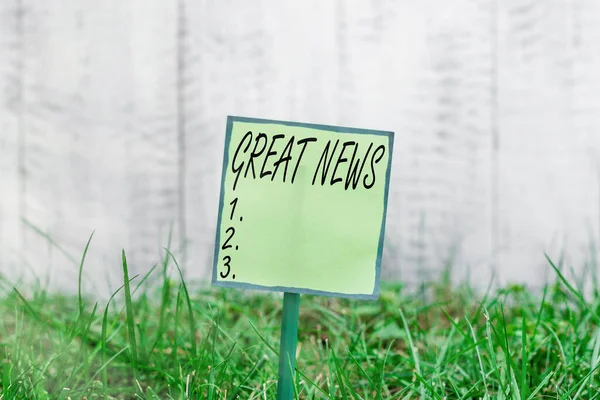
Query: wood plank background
{"type": "Point", "coordinates": [112, 118]}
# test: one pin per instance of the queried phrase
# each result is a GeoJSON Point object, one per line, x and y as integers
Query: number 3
{"type": "Point", "coordinates": [227, 260]}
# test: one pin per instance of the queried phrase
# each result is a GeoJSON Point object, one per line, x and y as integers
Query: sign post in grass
{"type": "Point", "coordinates": [302, 210]}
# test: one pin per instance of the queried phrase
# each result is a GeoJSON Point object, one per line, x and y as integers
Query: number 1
{"type": "Point", "coordinates": [233, 204]}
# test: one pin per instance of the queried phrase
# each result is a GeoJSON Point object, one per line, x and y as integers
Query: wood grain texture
{"type": "Point", "coordinates": [112, 119]}
{"type": "Point", "coordinates": [549, 195]}
{"type": "Point", "coordinates": [64, 109]}
{"type": "Point", "coordinates": [152, 149]}
{"type": "Point", "coordinates": [10, 93]}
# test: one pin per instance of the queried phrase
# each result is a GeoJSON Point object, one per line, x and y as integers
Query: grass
{"type": "Point", "coordinates": [172, 343]}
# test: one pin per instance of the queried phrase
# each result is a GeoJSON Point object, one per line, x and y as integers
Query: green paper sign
{"type": "Point", "coordinates": [302, 208]}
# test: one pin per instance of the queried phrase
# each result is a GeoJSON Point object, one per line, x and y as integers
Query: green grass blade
{"type": "Point", "coordinates": [192, 321]}
{"type": "Point", "coordinates": [80, 274]}
{"type": "Point", "coordinates": [103, 335]}
{"type": "Point", "coordinates": [130, 318]}
{"type": "Point", "coordinates": [524, 358]}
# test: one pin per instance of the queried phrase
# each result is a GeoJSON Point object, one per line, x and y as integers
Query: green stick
{"type": "Point", "coordinates": [291, 301]}
{"type": "Point", "coordinates": [287, 347]}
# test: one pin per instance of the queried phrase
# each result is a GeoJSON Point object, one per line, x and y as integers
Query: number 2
{"type": "Point", "coordinates": [225, 245]}
{"type": "Point", "coordinates": [227, 260]}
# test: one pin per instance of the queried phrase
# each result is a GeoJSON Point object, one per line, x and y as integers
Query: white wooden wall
{"type": "Point", "coordinates": [112, 116]}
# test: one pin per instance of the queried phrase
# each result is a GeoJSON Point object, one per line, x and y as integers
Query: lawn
{"type": "Point", "coordinates": [170, 342]}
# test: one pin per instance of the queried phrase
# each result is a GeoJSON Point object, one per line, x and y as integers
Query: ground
{"type": "Point", "coordinates": [161, 341]}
